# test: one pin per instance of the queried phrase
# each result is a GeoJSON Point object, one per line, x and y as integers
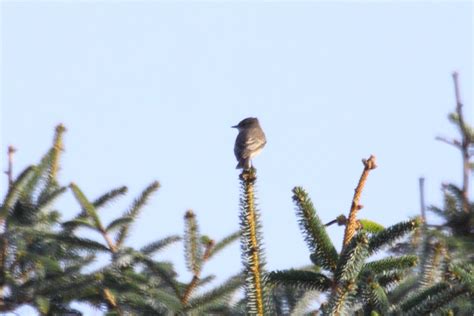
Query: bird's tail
{"type": "Point", "coordinates": [243, 164]}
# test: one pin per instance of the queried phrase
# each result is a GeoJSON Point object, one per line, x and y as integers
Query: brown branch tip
{"type": "Point", "coordinates": [369, 164]}
{"type": "Point", "coordinates": [352, 224]}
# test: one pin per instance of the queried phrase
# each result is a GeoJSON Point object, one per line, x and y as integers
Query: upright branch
{"type": "Point", "coordinates": [250, 242]}
{"type": "Point", "coordinates": [465, 143]}
{"type": "Point", "coordinates": [467, 140]}
{"type": "Point", "coordinates": [58, 147]}
{"type": "Point", "coordinates": [197, 273]}
{"type": "Point", "coordinates": [352, 223]}
{"type": "Point", "coordinates": [11, 150]}
{"type": "Point", "coordinates": [91, 211]}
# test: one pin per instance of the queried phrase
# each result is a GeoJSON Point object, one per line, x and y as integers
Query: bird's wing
{"type": "Point", "coordinates": [245, 145]}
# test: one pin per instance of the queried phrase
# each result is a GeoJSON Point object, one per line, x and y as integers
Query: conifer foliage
{"type": "Point", "coordinates": [432, 274]}
{"type": "Point", "coordinates": [47, 263]}
{"type": "Point", "coordinates": [444, 279]}
{"type": "Point", "coordinates": [353, 284]}
{"type": "Point", "coordinates": [251, 245]}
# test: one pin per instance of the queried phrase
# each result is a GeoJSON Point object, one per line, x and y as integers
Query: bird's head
{"type": "Point", "coordinates": [247, 123]}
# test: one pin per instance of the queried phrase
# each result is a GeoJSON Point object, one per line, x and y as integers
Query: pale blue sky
{"type": "Point", "coordinates": [149, 90]}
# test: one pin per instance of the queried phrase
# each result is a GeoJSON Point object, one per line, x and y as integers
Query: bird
{"type": "Point", "coordinates": [249, 142]}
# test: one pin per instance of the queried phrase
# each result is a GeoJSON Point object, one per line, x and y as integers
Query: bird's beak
{"type": "Point", "coordinates": [235, 126]}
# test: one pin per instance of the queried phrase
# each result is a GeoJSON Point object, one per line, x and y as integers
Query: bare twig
{"type": "Point", "coordinates": [340, 220]}
{"type": "Point", "coordinates": [352, 223]}
{"type": "Point", "coordinates": [108, 240]}
{"type": "Point", "coordinates": [422, 200]}
{"type": "Point", "coordinates": [453, 142]}
{"type": "Point", "coordinates": [3, 223]}
{"type": "Point", "coordinates": [10, 152]}
{"type": "Point", "coordinates": [464, 144]}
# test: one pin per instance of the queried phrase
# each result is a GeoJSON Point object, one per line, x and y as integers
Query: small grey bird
{"type": "Point", "coordinates": [249, 142]}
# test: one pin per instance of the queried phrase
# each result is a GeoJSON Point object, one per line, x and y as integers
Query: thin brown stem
{"type": "Point", "coordinates": [111, 301]}
{"type": "Point", "coordinates": [108, 240]}
{"type": "Point", "coordinates": [422, 200]}
{"type": "Point", "coordinates": [340, 220]}
{"type": "Point", "coordinates": [11, 151]}
{"type": "Point", "coordinates": [189, 289]}
{"type": "Point", "coordinates": [108, 296]}
{"type": "Point", "coordinates": [352, 223]}
{"type": "Point", "coordinates": [453, 142]}
{"type": "Point", "coordinates": [196, 277]}
{"type": "Point", "coordinates": [207, 252]}
{"type": "Point", "coordinates": [3, 223]}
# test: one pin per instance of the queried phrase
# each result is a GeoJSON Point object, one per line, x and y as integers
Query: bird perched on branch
{"type": "Point", "coordinates": [249, 142]}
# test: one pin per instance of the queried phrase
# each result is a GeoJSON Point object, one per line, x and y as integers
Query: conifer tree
{"type": "Point", "coordinates": [353, 284]}
{"type": "Point", "coordinates": [46, 263]}
{"type": "Point", "coordinates": [444, 279]}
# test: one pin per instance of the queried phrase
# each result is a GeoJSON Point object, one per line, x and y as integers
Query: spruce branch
{"type": "Point", "coordinates": [430, 268]}
{"type": "Point", "coordinates": [118, 223]}
{"type": "Point", "coordinates": [430, 299]}
{"type": "Point", "coordinates": [415, 300]}
{"type": "Point", "coordinates": [134, 211]}
{"type": "Point", "coordinates": [406, 286]}
{"type": "Point", "coordinates": [109, 196]}
{"type": "Point", "coordinates": [91, 211]}
{"type": "Point", "coordinates": [82, 218]}
{"type": "Point", "coordinates": [337, 302]}
{"type": "Point", "coordinates": [192, 246]}
{"type": "Point", "coordinates": [388, 280]}
{"type": "Point", "coordinates": [163, 273]}
{"type": "Point", "coordinates": [209, 244]}
{"type": "Point", "coordinates": [464, 145]}
{"type": "Point", "coordinates": [220, 245]}
{"type": "Point", "coordinates": [41, 183]}
{"type": "Point", "coordinates": [87, 206]}
{"type": "Point", "coordinates": [378, 298]}
{"type": "Point", "coordinates": [159, 244]}
{"type": "Point", "coordinates": [15, 191]}
{"type": "Point", "coordinates": [82, 243]}
{"type": "Point", "coordinates": [352, 259]}
{"type": "Point", "coordinates": [307, 280]}
{"type": "Point", "coordinates": [352, 224]}
{"type": "Point", "coordinates": [251, 245]}
{"type": "Point", "coordinates": [314, 232]}
{"type": "Point", "coordinates": [78, 222]}
{"type": "Point", "coordinates": [50, 198]}
{"type": "Point", "coordinates": [222, 292]}
{"type": "Point", "coordinates": [466, 142]}
{"type": "Point", "coordinates": [391, 234]}
{"type": "Point", "coordinates": [349, 265]}
{"type": "Point", "coordinates": [464, 276]}
{"type": "Point", "coordinates": [390, 264]}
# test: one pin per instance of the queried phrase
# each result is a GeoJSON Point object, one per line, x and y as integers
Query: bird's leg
{"type": "Point", "coordinates": [248, 164]}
